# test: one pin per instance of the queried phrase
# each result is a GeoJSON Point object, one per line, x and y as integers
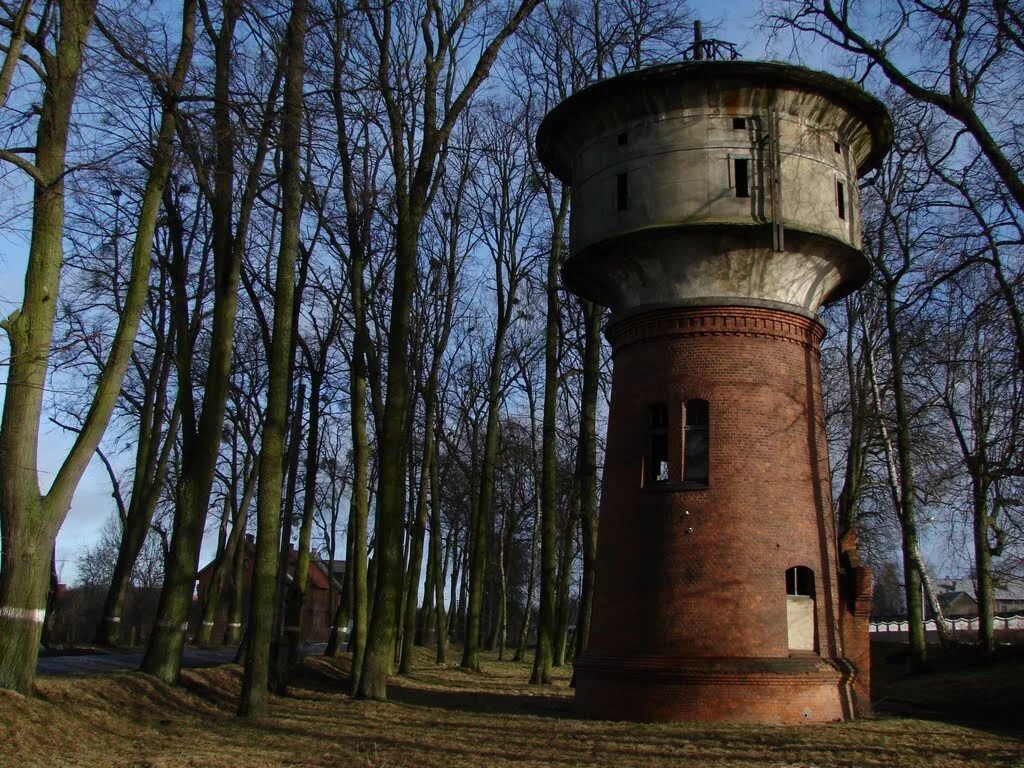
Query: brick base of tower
{"type": "Point", "coordinates": [662, 688]}
{"type": "Point", "coordinates": [692, 617]}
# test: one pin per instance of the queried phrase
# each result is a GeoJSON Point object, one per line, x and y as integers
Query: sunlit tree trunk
{"type": "Point", "coordinates": [253, 702]}
{"type": "Point", "coordinates": [236, 602]}
{"type": "Point", "coordinates": [418, 528]}
{"type": "Point", "coordinates": [343, 612]}
{"type": "Point", "coordinates": [218, 571]}
{"type": "Point", "coordinates": [28, 520]}
{"type": "Point", "coordinates": [201, 435]}
{"type": "Point", "coordinates": [440, 617]}
{"type": "Point", "coordinates": [544, 657]}
{"type": "Point", "coordinates": [901, 482]}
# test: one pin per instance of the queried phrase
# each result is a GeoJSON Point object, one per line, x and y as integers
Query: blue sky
{"type": "Point", "coordinates": [734, 21]}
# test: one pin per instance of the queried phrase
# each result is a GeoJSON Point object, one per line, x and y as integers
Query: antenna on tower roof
{"type": "Point", "coordinates": [710, 49]}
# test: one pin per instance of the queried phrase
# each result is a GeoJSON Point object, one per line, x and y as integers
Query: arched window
{"type": "Point", "coordinates": [657, 460]}
{"type": "Point", "coordinates": [695, 442]}
{"type": "Point", "coordinates": [800, 581]}
{"type": "Point", "coordinates": [800, 608]}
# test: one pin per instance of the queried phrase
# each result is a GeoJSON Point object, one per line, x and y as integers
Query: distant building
{"type": "Point", "coordinates": [321, 601]}
{"type": "Point", "coordinates": [959, 597]}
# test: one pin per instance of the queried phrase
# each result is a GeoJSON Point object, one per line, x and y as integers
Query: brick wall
{"type": "Point", "coordinates": [691, 575]}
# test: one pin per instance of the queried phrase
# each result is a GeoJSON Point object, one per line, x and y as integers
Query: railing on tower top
{"type": "Point", "coordinates": [709, 49]}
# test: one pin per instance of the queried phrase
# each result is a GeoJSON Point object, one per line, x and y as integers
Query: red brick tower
{"type": "Point", "coordinates": [714, 212]}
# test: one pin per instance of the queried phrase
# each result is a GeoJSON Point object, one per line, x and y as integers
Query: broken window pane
{"type": "Point", "coordinates": [657, 468]}
{"type": "Point", "coordinates": [695, 444]}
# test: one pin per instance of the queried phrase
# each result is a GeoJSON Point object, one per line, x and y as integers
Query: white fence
{"type": "Point", "coordinates": [956, 625]}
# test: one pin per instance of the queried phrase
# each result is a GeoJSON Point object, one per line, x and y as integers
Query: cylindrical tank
{"type": "Point", "coordinates": [714, 210]}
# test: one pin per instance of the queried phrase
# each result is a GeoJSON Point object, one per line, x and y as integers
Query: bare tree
{"type": "Point", "coordinates": [416, 146]}
{"type": "Point", "coordinates": [265, 601]}
{"type": "Point", "coordinates": [438, 297]}
{"type": "Point", "coordinates": [967, 59]}
{"type": "Point", "coordinates": [202, 425]}
{"type": "Point", "coordinates": [505, 194]}
{"type": "Point", "coordinates": [980, 391]}
{"type": "Point", "coordinates": [29, 519]}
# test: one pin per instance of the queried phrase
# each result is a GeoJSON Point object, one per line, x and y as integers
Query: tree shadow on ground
{"type": "Point", "coordinates": [485, 702]}
{"type": "Point", "coordinates": [960, 687]}
{"type": "Point", "coordinates": [329, 676]}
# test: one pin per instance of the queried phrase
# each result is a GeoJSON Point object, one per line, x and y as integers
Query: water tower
{"type": "Point", "coordinates": [714, 211]}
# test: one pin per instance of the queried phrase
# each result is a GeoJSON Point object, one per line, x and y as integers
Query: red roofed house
{"type": "Point", "coordinates": [322, 594]}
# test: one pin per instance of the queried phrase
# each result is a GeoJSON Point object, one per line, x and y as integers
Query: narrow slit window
{"type": "Point", "coordinates": [657, 469]}
{"type": "Point", "coordinates": [621, 192]}
{"type": "Point", "coordinates": [623, 139]}
{"type": "Point", "coordinates": [838, 147]}
{"type": "Point", "coordinates": [741, 177]}
{"type": "Point", "coordinates": [841, 199]}
{"type": "Point", "coordinates": [739, 123]}
{"type": "Point", "coordinates": [695, 443]}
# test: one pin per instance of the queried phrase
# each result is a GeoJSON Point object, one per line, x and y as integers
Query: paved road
{"type": "Point", "coordinates": [130, 660]}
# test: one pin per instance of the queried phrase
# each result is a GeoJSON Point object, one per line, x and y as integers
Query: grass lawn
{"type": "Point", "coordinates": [442, 716]}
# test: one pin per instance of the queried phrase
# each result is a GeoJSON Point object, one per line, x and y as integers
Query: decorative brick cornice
{"type": "Point", "coordinates": [715, 321]}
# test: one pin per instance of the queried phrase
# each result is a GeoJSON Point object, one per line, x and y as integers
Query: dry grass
{"type": "Point", "coordinates": [436, 717]}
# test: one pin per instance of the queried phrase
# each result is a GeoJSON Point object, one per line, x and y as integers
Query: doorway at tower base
{"type": "Point", "coordinates": [780, 691]}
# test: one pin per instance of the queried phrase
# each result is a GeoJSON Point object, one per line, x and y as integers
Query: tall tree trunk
{"type": "Point", "coordinates": [300, 580]}
{"type": "Point", "coordinates": [415, 171]}
{"type": "Point", "coordinates": [484, 517]}
{"type": "Point", "coordinates": [359, 511]}
{"type": "Point", "coordinates": [410, 529]}
{"type": "Point", "coordinates": [587, 469]}
{"type": "Point", "coordinates": [901, 480]}
{"type": "Point", "coordinates": [253, 702]}
{"type": "Point", "coordinates": [544, 656]}
{"type": "Point", "coordinates": [224, 565]}
{"type": "Point", "coordinates": [857, 447]}
{"type": "Point", "coordinates": [343, 612]}
{"type": "Point", "coordinates": [440, 618]}
{"type": "Point", "coordinates": [201, 437]}
{"type": "Point", "coordinates": [418, 530]}
{"type": "Point", "coordinates": [236, 605]}
{"type": "Point", "coordinates": [524, 628]}
{"type": "Point", "coordinates": [29, 521]}
{"type": "Point", "coordinates": [460, 612]}
{"type": "Point", "coordinates": [983, 563]}
{"type": "Point", "coordinates": [280, 642]}
{"type": "Point", "coordinates": [151, 462]}
{"type": "Point", "coordinates": [388, 529]}
{"type": "Point", "coordinates": [504, 552]}
{"type": "Point", "coordinates": [358, 207]}
{"type": "Point", "coordinates": [566, 555]}
{"type": "Point", "coordinates": [218, 572]}
{"type": "Point", "coordinates": [425, 617]}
